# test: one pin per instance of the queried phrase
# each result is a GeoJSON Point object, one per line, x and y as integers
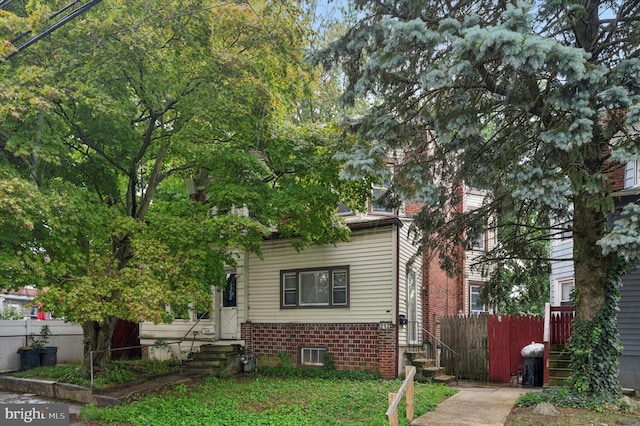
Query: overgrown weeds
{"type": "Point", "coordinates": [268, 400]}
{"type": "Point", "coordinates": [106, 375]}
{"type": "Point", "coordinates": [564, 397]}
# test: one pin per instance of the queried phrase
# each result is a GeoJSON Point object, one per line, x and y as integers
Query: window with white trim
{"type": "Point", "coordinates": [632, 174]}
{"type": "Point", "coordinates": [477, 241]}
{"type": "Point", "coordinates": [312, 288]}
{"type": "Point", "coordinates": [313, 357]}
{"type": "Point", "coordinates": [412, 307]}
{"type": "Point", "coordinates": [475, 306]}
{"type": "Point", "coordinates": [566, 288]}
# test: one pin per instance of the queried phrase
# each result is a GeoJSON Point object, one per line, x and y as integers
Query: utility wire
{"type": "Point", "coordinates": [4, 3]}
{"type": "Point", "coordinates": [72, 15]}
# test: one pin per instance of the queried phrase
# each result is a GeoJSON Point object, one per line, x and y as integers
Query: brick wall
{"type": "Point", "coordinates": [362, 347]}
{"type": "Point", "coordinates": [442, 295]}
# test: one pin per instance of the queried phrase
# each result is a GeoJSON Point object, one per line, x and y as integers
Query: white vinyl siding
{"type": "Point", "coordinates": [407, 251]}
{"type": "Point", "coordinates": [370, 256]}
{"type": "Point", "coordinates": [560, 270]}
{"type": "Point", "coordinates": [473, 199]}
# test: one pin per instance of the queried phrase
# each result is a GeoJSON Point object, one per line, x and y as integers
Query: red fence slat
{"type": "Point", "coordinates": [508, 334]}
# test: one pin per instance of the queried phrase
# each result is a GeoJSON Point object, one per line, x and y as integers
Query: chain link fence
{"type": "Point", "coordinates": [14, 334]}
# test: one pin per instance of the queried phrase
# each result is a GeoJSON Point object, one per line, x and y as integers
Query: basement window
{"type": "Point", "coordinates": [312, 357]}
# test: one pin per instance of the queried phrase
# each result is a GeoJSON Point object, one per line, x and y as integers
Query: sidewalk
{"type": "Point", "coordinates": [29, 398]}
{"type": "Point", "coordinates": [475, 404]}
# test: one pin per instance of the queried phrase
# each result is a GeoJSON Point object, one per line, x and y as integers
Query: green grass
{"type": "Point", "coordinates": [108, 374]}
{"type": "Point", "coordinates": [264, 400]}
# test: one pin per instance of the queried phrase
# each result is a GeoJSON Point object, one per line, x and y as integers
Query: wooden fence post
{"type": "Point", "coordinates": [393, 420]}
{"type": "Point", "coordinates": [409, 395]}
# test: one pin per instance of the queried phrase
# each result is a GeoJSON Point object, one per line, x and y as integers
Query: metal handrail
{"type": "Point", "coordinates": [194, 324]}
{"type": "Point", "coordinates": [455, 354]}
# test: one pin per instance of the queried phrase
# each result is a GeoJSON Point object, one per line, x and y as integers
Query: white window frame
{"type": "Point", "coordinates": [312, 357]}
{"type": "Point", "coordinates": [412, 307]}
{"type": "Point", "coordinates": [478, 241]}
{"type": "Point", "coordinates": [472, 308]}
{"type": "Point", "coordinates": [565, 288]}
{"type": "Point", "coordinates": [632, 174]}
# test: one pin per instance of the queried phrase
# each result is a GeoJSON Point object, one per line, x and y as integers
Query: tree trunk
{"type": "Point", "coordinates": [97, 342]}
{"type": "Point", "coordinates": [97, 335]}
{"type": "Point", "coordinates": [595, 343]}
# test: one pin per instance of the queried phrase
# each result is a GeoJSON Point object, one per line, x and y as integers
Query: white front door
{"type": "Point", "coordinates": [229, 310]}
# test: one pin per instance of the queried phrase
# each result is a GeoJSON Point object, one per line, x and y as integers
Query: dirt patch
{"type": "Point", "coordinates": [572, 416]}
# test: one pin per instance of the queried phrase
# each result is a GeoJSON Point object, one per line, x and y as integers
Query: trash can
{"type": "Point", "coordinates": [49, 356]}
{"type": "Point", "coordinates": [533, 372]}
{"type": "Point", "coordinates": [29, 358]}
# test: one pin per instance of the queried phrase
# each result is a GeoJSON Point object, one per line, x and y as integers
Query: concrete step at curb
{"type": "Point", "coordinates": [446, 379]}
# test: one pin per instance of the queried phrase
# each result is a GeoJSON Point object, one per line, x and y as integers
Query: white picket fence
{"type": "Point", "coordinates": [14, 334]}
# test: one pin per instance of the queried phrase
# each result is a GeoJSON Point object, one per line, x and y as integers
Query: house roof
{"type": "Point", "coordinates": [22, 291]}
{"type": "Point", "coordinates": [357, 225]}
{"type": "Point", "coordinates": [376, 223]}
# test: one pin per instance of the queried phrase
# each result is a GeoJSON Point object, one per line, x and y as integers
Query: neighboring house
{"type": "Point", "coordinates": [20, 301]}
{"type": "Point", "coordinates": [362, 301]}
{"type": "Point", "coordinates": [626, 181]}
{"type": "Point", "coordinates": [446, 295]}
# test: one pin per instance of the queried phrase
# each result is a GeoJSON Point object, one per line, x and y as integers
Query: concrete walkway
{"type": "Point", "coordinates": [474, 405]}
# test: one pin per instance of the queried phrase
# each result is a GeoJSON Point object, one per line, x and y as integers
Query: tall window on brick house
{"type": "Point", "coordinates": [321, 287]}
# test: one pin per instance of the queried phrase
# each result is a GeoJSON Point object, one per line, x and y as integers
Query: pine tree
{"type": "Point", "coordinates": [534, 102]}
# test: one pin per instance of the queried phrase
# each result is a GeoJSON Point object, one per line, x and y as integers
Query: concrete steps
{"type": "Point", "coordinates": [427, 371]}
{"type": "Point", "coordinates": [214, 360]}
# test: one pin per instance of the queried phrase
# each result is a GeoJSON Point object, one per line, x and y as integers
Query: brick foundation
{"type": "Point", "coordinates": [361, 347]}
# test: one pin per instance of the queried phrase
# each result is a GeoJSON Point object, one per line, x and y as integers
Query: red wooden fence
{"type": "Point", "coordinates": [508, 334]}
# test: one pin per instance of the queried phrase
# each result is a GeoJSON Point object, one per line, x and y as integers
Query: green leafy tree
{"type": "Point", "coordinates": [104, 121]}
{"type": "Point", "coordinates": [535, 102]}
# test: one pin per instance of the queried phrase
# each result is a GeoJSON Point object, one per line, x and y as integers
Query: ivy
{"type": "Point", "coordinates": [595, 347]}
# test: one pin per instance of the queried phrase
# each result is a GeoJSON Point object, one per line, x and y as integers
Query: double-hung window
{"type": "Point", "coordinates": [309, 288]}
{"type": "Point", "coordinates": [476, 306]}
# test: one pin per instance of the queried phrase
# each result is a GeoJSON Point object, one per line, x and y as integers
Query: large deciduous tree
{"type": "Point", "coordinates": [102, 122]}
{"type": "Point", "coordinates": [533, 101]}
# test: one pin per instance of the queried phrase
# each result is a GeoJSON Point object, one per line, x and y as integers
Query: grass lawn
{"type": "Point", "coordinates": [263, 400]}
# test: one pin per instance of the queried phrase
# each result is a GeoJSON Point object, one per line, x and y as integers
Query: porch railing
{"type": "Point", "coordinates": [558, 326]}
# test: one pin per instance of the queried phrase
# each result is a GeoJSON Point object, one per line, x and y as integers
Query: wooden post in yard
{"type": "Point", "coordinates": [409, 395]}
{"type": "Point", "coordinates": [393, 420]}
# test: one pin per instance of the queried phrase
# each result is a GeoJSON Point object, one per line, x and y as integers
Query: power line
{"type": "Point", "coordinates": [70, 16]}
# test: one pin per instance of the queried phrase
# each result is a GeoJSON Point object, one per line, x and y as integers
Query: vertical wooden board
{"type": "Point", "coordinates": [499, 347]}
